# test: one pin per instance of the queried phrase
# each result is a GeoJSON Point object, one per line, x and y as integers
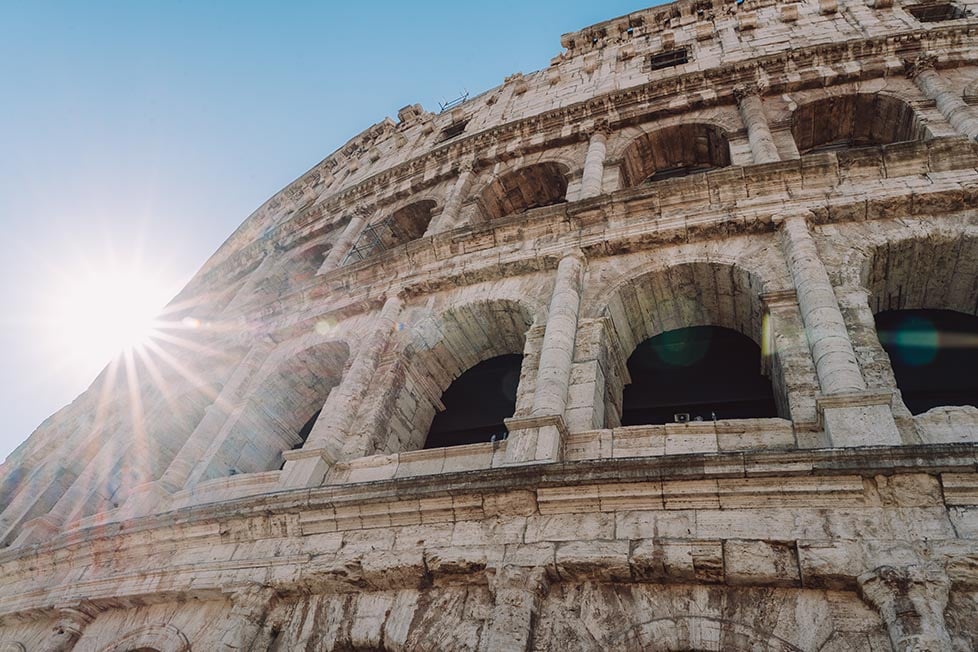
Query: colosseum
{"type": "Point", "coordinates": [669, 346]}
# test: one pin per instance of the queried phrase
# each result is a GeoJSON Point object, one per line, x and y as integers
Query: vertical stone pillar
{"type": "Point", "coordinates": [205, 441]}
{"type": "Point", "coordinates": [911, 601]}
{"type": "Point", "coordinates": [792, 370]}
{"type": "Point", "coordinates": [851, 415]}
{"type": "Point", "coordinates": [450, 214]}
{"type": "Point", "coordinates": [345, 243]}
{"type": "Point", "coordinates": [751, 108]}
{"type": "Point", "coordinates": [540, 437]}
{"type": "Point", "coordinates": [247, 289]}
{"type": "Point", "coordinates": [873, 358]}
{"type": "Point", "coordinates": [330, 439]}
{"type": "Point", "coordinates": [72, 621]}
{"type": "Point", "coordinates": [591, 182]}
{"type": "Point", "coordinates": [517, 595]}
{"type": "Point", "coordinates": [961, 116]}
{"type": "Point", "coordinates": [249, 609]}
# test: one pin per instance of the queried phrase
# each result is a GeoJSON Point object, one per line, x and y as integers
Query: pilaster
{"type": "Point", "coordinates": [517, 594]}
{"type": "Point", "coordinates": [961, 116]}
{"type": "Point", "coordinates": [250, 607]}
{"type": "Point", "coordinates": [345, 243]}
{"type": "Point", "coordinates": [593, 177]}
{"type": "Point", "coordinates": [542, 437]}
{"type": "Point", "coordinates": [751, 108]}
{"type": "Point", "coordinates": [330, 440]}
{"type": "Point", "coordinates": [911, 600]}
{"type": "Point", "coordinates": [864, 419]}
{"type": "Point", "coordinates": [448, 219]}
{"type": "Point", "coordinates": [72, 621]}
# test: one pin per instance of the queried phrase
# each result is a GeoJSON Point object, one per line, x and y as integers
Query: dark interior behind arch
{"type": "Point", "coordinates": [706, 372]}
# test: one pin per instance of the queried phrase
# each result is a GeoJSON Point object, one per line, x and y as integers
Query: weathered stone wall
{"type": "Point", "coordinates": [175, 506]}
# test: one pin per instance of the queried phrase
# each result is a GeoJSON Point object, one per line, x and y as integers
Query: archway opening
{"type": "Point", "coordinates": [675, 151]}
{"type": "Point", "coordinates": [281, 411]}
{"type": "Point", "coordinates": [857, 120]}
{"type": "Point", "coordinates": [934, 355]}
{"type": "Point", "coordinates": [534, 186]}
{"type": "Point", "coordinates": [410, 222]}
{"type": "Point", "coordinates": [476, 404]}
{"type": "Point", "coordinates": [701, 373]}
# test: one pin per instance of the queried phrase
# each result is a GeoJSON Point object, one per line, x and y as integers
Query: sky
{"type": "Point", "coordinates": [136, 136]}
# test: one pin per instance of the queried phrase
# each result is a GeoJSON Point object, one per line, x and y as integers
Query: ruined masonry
{"type": "Point", "coordinates": [781, 173]}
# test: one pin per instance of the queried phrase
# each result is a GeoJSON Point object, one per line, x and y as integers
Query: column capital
{"type": "Point", "coordinates": [252, 600]}
{"type": "Point", "coordinates": [923, 62]}
{"type": "Point", "coordinates": [466, 165]}
{"type": "Point", "coordinates": [911, 599]}
{"type": "Point", "coordinates": [747, 89]}
{"type": "Point", "coordinates": [780, 219]}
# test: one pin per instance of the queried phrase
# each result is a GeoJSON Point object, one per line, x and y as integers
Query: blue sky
{"type": "Point", "coordinates": [149, 130]}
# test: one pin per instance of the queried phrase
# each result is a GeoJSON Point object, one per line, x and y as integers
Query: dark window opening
{"type": "Point", "coordinates": [936, 13]}
{"type": "Point", "coordinates": [476, 404]}
{"type": "Point", "coordinates": [700, 373]}
{"type": "Point", "coordinates": [860, 120]}
{"type": "Point", "coordinates": [306, 429]}
{"type": "Point", "coordinates": [934, 354]}
{"type": "Point", "coordinates": [669, 59]}
{"type": "Point", "coordinates": [534, 186]}
{"type": "Point", "coordinates": [679, 171]}
{"type": "Point", "coordinates": [453, 130]}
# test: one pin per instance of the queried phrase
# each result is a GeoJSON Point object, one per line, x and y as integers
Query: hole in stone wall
{"type": "Point", "coordinates": [705, 372]}
{"type": "Point", "coordinates": [857, 120]}
{"type": "Point", "coordinates": [935, 13]}
{"type": "Point", "coordinates": [668, 59]}
{"type": "Point", "coordinates": [476, 404]}
{"type": "Point", "coordinates": [534, 186]}
{"type": "Point", "coordinates": [452, 131]}
{"type": "Point", "coordinates": [674, 152]}
{"type": "Point", "coordinates": [404, 225]}
{"type": "Point", "coordinates": [934, 355]}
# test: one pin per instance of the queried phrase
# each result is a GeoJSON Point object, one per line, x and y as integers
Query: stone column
{"type": "Point", "coordinates": [249, 609]}
{"type": "Point", "coordinates": [591, 182]}
{"type": "Point", "coordinates": [72, 621]}
{"type": "Point", "coordinates": [911, 601]}
{"type": "Point", "coordinates": [517, 594]}
{"type": "Point", "coordinates": [345, 243]}
{"type": "Point", "coordinates": [330, 440]}
{"type": "Point", "coordinates": [541, 436]}
{"type": "Point", "coordinates": [961, 116]}
{"type": "Point", "coordinates": [873, 358]}
{"type": "Point", "coordinates": [792, 369]}
{"type": "Point", "coordinates": [851, 415]}
{"type": "Point", "coordinates": [205, 441]}
{"type": "Point", "coordinates": [751, 108]}
{"type": "Point", "coordinates": [247, 290]}
{"type": "Point", "coordinates": [449, 216]}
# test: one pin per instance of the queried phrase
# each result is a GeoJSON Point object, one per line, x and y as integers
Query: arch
{"type": "Point", "coordinates": [289, 390]}
{"type": "Point", "coordinates": [439, 349]}
{"type": "Point", "coordinates": [689, 294]}
{"type": "Point", "coordinates": [476, 403]}
{"type": "Point", "coordinates": [528, 187]}
{"type": "Point", "coordinates": [400, 227]}
{"type": "Point", "coordinates": [854, 120]}
{"type": "Point", "coordinates": [674, 151]}
{"type": "Point", "coordinates": [698, 633]}
{"type": "Point", "coordinates": [161, 638]}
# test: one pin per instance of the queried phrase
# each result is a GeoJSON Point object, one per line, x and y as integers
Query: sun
{"type": "Point", "coordinates": [103, 308]}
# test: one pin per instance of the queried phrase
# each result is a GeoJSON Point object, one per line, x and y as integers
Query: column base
{"type": "Point", "coordinates": [858, 419]}
{"type": "Point", "coordinates": [535, 439]}
{"type": "Point", "coordinates": [305, 467]}
{"type": "Point", "coordinates": [42, 528]}
{"type": "Point", "coordinates": [146, 498]}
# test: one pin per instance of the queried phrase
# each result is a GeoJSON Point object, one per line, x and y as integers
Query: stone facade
{"type": "Point", "coordinates": [178, 504]}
